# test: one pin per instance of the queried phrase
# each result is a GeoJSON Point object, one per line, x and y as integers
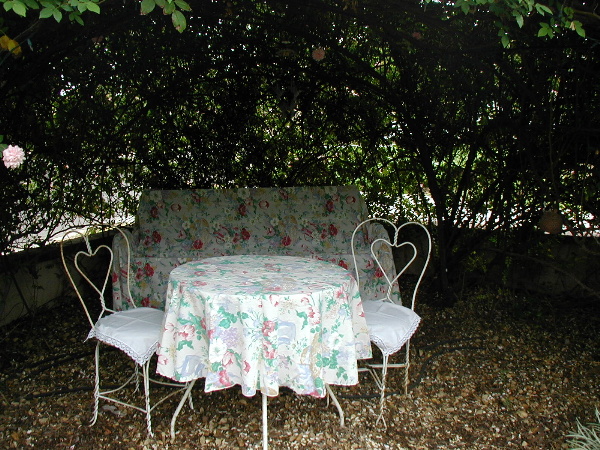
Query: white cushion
{"type": "Point", "coordinates": [135, 331]}
{"type": "Point", "coordinates": [390, 325]}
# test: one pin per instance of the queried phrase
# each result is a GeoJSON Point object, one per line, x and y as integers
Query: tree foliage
{"type": "Point", "coordinates": [421, 106]}
{"type": "Point", "coordinates": [76, 9]}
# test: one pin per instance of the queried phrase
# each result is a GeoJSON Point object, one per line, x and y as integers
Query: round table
{"type": "Point", "coordinates": [263, 322]}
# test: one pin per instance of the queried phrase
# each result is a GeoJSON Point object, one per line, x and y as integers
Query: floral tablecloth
{"type": "Point", "coordinates": [263, 322]}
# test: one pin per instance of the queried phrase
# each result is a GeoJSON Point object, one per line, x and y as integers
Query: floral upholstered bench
{"type": "Point", "coordinates": [177, 226]}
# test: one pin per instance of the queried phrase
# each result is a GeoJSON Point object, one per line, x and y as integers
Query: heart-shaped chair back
{"type": "Point", "coordinates": [92, 265]}
{"type": "Point", "coordinates": [396, 241]}
{"type": "Point", "coordinates": [86, 262]}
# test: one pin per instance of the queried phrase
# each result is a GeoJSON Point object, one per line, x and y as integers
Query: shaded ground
{"type": "Point", "coordinates": [498, 371]}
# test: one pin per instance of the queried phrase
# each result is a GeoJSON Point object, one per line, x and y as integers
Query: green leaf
{"type": "Point", "coordinates": [19, 8]}
{"type": "Point", "coordinates": [542, 9]}
{"type": "Point", "coordinates": [75, 17]}
{"type": "Point", "coordinates": [169, 8]}
{"type": "Point", "coordinates": [148, 6]}
{"type": "Point", "coordinates": [545, 30]}
{"type": "Point", "coordinates": [519, 18]}
{"type": "Point", "coordinates": [464, 6]}
{"type": "Point", "coordinates": [93, 7]}
{"type": "Point", "coordinates": [45, 13]}
{"type": "Point", "coordinates": [567, 11]}
{"type": "Point", "coordinates": [577, 26]}
{"type": "Point", "coordinates": [182, 5]}
{"type": "Point", "coordinates": [179, 21]}
{"type": "Point", "coordinates": [57, 15]}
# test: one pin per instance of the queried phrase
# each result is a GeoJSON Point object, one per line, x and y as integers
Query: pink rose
{"type": "Point", "coordinates": [197, 244]}
{"type": "Point", "coordinates": [13, 156]}
{"type": "Point", "coordinates": [156, 237]}
{"type": "Point", "coordinates": [242, 209]}
{"type": "Point", "coordinates": [286, 241]}
{"type": "Point", "coordinates": [329, 206]}
{"type": "Point", "coordinates": [154, 212]}
{"type": "Point", "coordinates": [146, 302]}
{"type": "Point", "coordinates": [333, 230]}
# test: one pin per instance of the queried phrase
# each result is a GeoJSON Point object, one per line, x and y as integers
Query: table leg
{"type": "Point", "coordinates": [265, 431]}
{"type": "Point", "coordinates": [336, 403]}
{"type": "Point", "coordinates": [186, 394]}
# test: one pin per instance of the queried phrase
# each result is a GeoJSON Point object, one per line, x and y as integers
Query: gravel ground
{"type": "Point", "coordinates": [495, 371]}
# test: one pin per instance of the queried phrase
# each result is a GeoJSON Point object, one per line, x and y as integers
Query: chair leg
{"type": "Point", "coordinates": [407, 362]}
{"type": "Point", "coordinates": [382, 394]}
{"type": "Point", "coordinates": [96, 384]}
{"type": "Point", "coordinates": [146, 379]}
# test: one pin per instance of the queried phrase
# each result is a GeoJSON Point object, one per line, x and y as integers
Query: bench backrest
{"type": "Point", "coordinates": [212, 222]}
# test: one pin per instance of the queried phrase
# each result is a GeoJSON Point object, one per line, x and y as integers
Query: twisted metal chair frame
{"type": "Point", "coordinates": [402, 312]}
{"type": "Point", "coordinates": [147, 320]}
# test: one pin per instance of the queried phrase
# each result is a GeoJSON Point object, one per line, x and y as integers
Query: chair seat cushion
{"type": "Point", "coordinates": [135, 331]}
{"type": "Point", "coordinates": [390, 325]}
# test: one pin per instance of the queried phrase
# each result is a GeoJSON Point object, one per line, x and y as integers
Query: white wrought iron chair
{"type": "Point", "coordinates": [391, 324]}
{"type": "Point", "coordinates": [136, 331]}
